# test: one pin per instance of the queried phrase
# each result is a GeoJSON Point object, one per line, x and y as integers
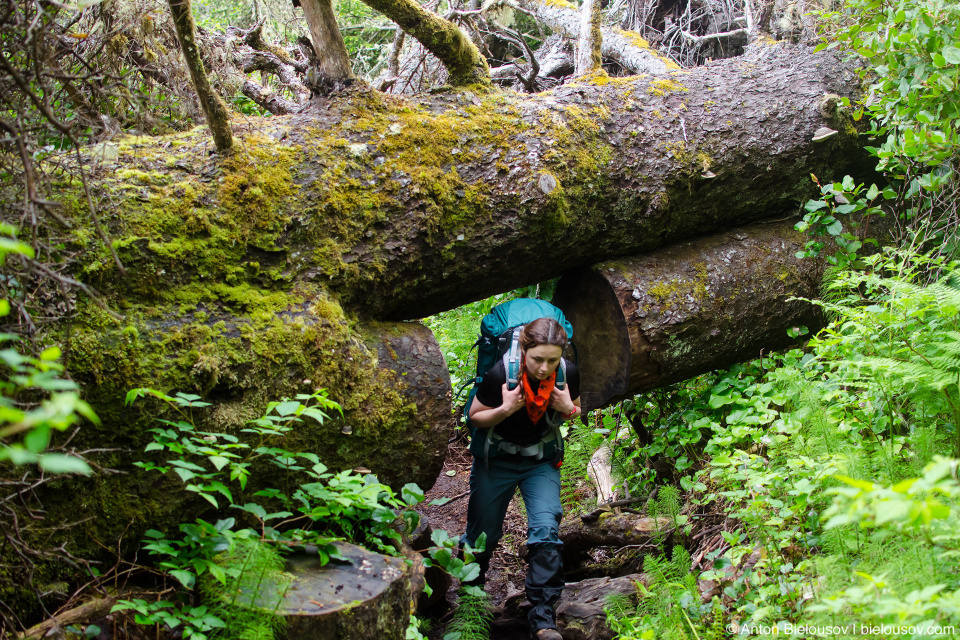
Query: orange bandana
{"type": "Point", "coordinates": [537, 402]}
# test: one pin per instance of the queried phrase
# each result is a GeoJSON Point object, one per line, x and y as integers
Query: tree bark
{"type": "Point", "coordinates": [590, 41]}
{"type": "Point", "coordinates": [705, 304]}
{"type": "Point", "coordinates": [213, 107]}
{"type": "Point", "coordinates": [333, 69]}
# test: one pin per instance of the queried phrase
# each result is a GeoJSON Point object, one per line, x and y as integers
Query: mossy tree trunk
{"type": "Point", "coordinates": [442, 38]}
{"type": "Point", "coordinates": [402, 208]}
{"type": "Point", "coordinates": [213, 107]}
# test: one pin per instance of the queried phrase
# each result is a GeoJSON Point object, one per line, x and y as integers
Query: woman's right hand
{"type": "Point", "coordinates": [512, 399]}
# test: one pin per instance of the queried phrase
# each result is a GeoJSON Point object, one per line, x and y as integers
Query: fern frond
{"type": "Point", "coordinates": [947, 290]}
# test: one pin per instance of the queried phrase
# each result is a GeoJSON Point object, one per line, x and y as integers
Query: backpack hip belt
{"type": "Point", "coordinates": [534, 451]}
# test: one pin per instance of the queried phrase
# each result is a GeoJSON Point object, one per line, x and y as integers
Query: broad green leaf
{"type": "Point", "coordinates": [287, 408]}
{"type": "Point", "coordinates": [218, 573]}
{"type": "Point", "coordinates": [951, 54]}
{"type": "Point", "coordinates": [186, 578]}
{"type": "Point", "coordinates": [254, 508]}
{"type": "Point", "coordinates": [51, 353]}
{"type": "Point", "coordinates": [412, 494]}
{"type": "Point", "coordinates": [58, 463]}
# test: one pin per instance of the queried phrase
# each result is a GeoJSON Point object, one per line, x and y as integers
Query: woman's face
{"type": "Point", "coordinates": [543, 360]}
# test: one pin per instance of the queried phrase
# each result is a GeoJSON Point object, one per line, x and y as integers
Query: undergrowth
{"type": "Point", "coordinates": [471, 620]}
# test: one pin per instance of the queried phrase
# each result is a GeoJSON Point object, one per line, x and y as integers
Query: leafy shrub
{"type": "Point", "coordinates": [307, 504]}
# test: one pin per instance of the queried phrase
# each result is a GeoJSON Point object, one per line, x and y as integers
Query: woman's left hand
{"type": "Point", "coordinates": [560, 400]}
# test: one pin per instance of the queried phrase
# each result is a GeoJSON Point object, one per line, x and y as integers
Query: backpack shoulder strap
{"type": "Point", "coordinates": [511, 359]}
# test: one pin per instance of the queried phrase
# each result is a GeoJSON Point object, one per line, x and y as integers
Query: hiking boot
{"type": "Point", "coordinates": [549, 634]}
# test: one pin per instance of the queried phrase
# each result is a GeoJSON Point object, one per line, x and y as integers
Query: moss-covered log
{"type": "Point", "coordinates": [401, 207]}
{"type": "Point", "coordinates": [647, 321]}
{"type": "Point", "coordinates": [251, 347]}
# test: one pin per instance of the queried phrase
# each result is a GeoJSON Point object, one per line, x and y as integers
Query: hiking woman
{"type": "Point", "coordinates": [525, 450]}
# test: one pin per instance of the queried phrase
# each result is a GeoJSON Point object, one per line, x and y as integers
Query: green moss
{"type": "Point", "coordinates": [172, 228]}
{"type": "Point", "coordinates": [671, 295]}
{"type": "Point", "coordinates": [663, 86]}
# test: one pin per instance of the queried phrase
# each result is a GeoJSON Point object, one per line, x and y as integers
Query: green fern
{"type": "Point", "coordinates": [253, 589]}
{"type": "Point", "coordinates": [471, 620]}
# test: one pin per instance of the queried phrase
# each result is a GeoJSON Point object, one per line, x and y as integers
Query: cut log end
{"type": "Point", "coordinates": [673, 314]}
{"type": "Point", "coordinates": [366, 596]}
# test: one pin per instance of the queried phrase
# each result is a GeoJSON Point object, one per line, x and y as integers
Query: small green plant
{"type": "Point", "coordinates": [911, 53]}
{"type": "Point", "coordinates": [838, 202]}
{"type": "Point", "coordinates": [669, 608]}
{"type": "Point", "coordinates": [35, 401]}
{"type": "Point", "coordinates": [471, 620]}
{"type": "Point", "coordinates": [924, 512]}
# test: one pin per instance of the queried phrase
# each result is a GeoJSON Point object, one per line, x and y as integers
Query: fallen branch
{"type": "Point", "coordinates": [96, 608]}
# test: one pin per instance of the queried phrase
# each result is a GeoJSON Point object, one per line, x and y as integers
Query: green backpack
{"type": "Point", "coordinates": [500, 340]}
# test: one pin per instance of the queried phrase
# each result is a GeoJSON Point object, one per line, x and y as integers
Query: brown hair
{"type": "Point", "coordinates": [543, 331]}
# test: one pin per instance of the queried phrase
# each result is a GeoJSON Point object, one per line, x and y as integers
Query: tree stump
{"type": "Point", "coordinates": [368, 596]}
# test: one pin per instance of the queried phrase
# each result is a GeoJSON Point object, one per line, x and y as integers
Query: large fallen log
{"type": "Point", "coordinates": [403, 207]}
{"type": "Point", "coordinates": [699, 305]}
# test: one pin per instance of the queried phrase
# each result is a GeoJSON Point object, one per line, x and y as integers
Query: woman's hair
{"type": "Point", "coordinates": [543, 331]}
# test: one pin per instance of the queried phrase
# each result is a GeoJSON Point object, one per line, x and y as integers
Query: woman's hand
{"type": "Point", "coordinates": [513, 399]}
{"type": "Point", "coordinates": [484, 417]}
{"type": "Point", "coordinates": [560, 401]}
